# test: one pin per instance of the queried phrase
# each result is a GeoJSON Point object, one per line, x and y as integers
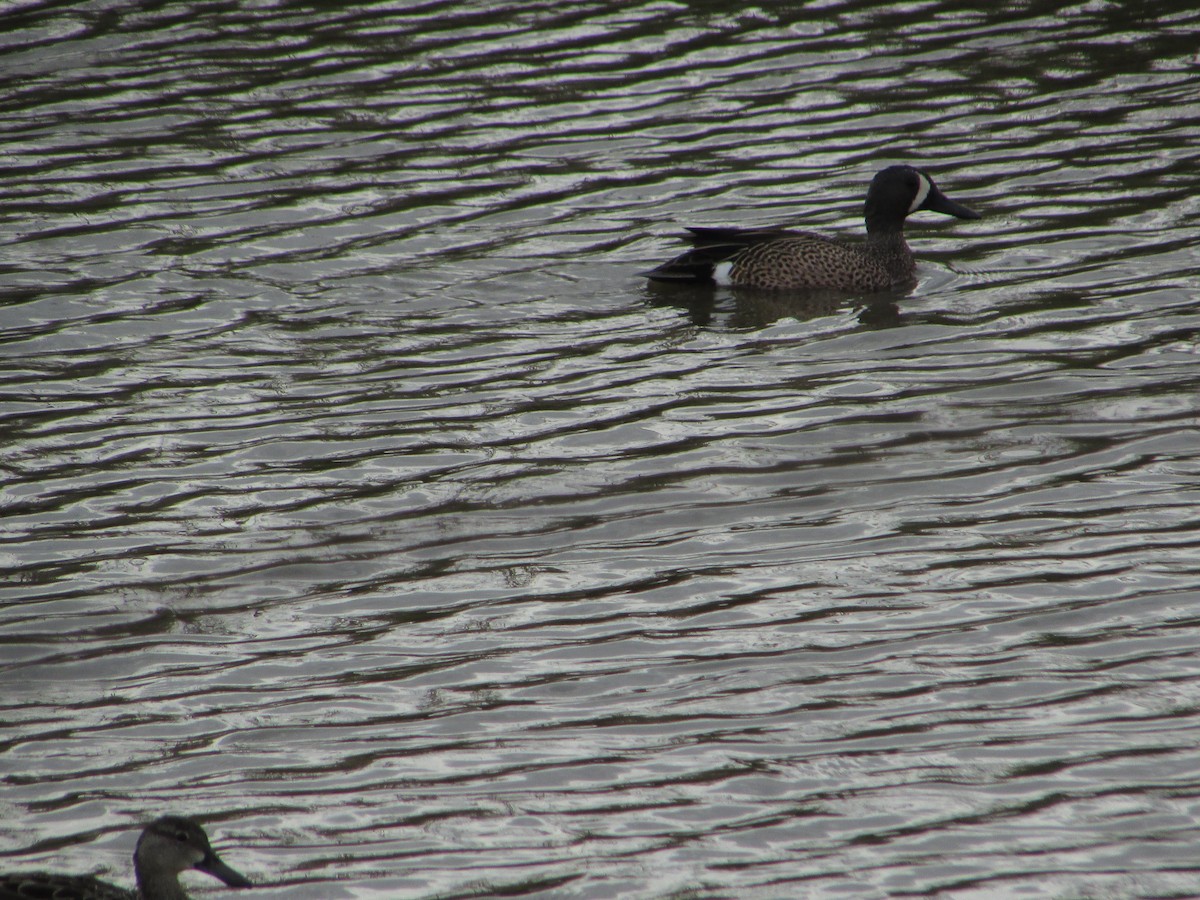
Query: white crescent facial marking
{"type": "Point", "coordinates": [922, 192]}
{"type": "Point", "coordinates": [721, 273]}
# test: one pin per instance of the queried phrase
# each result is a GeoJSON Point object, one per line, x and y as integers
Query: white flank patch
{"type": "Point", "coordinates": [922, 192]}
{"type": "Point", "coordinates": [721, 273]}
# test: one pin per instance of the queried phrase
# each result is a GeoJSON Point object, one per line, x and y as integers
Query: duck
{"type": "Point", "coordinates": [778, 259]}
{"type": "Point", "coordinates": [168, 846]}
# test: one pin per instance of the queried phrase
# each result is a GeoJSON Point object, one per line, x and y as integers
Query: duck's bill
{"type": "Point", "coordinates": [939, 202]}
{"type": "Point", "coordinates": [213, 865]}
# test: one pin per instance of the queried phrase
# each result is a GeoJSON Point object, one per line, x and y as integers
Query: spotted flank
{"type": "Point", "coordinates": [778, 259]}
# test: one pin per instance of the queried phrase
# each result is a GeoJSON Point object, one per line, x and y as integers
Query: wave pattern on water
{"type": "Point", "coordinates": [358, 495]}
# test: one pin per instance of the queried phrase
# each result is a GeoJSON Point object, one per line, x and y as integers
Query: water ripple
{"type": "Point", "coordinates": [359, 497]}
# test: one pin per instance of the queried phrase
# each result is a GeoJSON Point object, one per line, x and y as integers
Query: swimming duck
{"type": "Point", "coordinates": [777, 259]}
{"type": "Point", "coordinates": [168, 846]}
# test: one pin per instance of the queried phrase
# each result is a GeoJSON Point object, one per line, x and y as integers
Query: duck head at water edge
{"type": "Point", "coordinates": [168, 846]}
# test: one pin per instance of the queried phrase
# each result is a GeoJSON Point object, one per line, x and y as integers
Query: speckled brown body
{"type": "Point", "coordinates": [807, 261]}
{"type": "Point", "coordinates": [46, 886]}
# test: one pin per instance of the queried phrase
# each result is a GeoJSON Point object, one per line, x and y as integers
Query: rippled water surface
{"type": "Point", "coordinates": [360, 498]}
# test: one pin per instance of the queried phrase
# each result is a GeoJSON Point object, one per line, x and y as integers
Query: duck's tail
{"type": "Point", "coordinates": [711, 247]}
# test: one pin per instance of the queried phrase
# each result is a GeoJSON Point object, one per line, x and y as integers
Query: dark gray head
{"type": "Point", "coordinates": [897, 191]}
{"type": "Point", "coordinates": [172, 844]}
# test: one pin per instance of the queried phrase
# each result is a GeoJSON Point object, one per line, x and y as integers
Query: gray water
{"type": "Point", "coordinates": [360, 499]}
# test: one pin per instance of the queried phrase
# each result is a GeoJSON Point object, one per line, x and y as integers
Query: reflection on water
{"type": "Point", "coordinates": [361, 499]}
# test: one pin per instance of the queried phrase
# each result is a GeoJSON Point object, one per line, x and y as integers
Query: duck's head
{"type": "Point", "coordinates": [172, 844]}
{"type": "Point", "coordinates": [897, 191]}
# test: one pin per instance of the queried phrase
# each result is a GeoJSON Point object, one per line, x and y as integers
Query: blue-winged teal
{"type": "Point", "coordinates": [775, 259]}
{"type": "Point", "coordinates": [168, 846]}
